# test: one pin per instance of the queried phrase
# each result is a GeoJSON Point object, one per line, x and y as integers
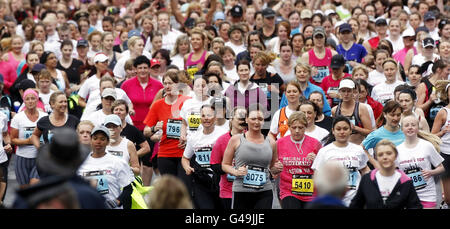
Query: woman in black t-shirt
{"type": "Point", "coordinates": [70, 65]}
{"type": "Point", "coordinates": [57, 119]}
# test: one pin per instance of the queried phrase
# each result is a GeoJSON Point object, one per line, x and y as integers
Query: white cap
{"type": "Point", "coordinates": [347, 83]}
{"type": "Point", "coordinates": [409, 32]}
{"type": "Point", "coordinates": [114, 119]}
{"type": "Point", "coordinates": [319, 11]}
{"type": "Point", "coordinates": [329, 11]}
{"type": "Point", "coordinates": [100, 57]}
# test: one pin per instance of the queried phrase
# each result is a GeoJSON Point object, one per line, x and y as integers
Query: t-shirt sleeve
{"type": "Point", "coordinates": [362, 158]}
{"type": "Point", "coordinates": [15, 122]}
{"type": "Point", "coordinates": [370, 141]}
{"type": "Point", "coordinates": [434, 156]}
{"type": "Point", "coordinates": [274, 123]}
{"type": "Point", "coordinates": [5, 122]}
{"type": "Point", "coordinates": [152, 115]}
{"type": "Point", "coordinates": [189, 149]}
{"type": "Point", "coordinates": [363, 52]}
{"type": "Point", "coordinates": [218, 150]}
{"type": "Point", "coordinates": [84, 89]}
{"type": "Point", "coordinates": [139, 137]}
{"type": "Point", "coordinates": [318, 160]}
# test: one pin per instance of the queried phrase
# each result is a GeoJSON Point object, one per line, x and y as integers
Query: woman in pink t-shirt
{"type": "Point", "coordinates": [297, 152]}
{"type": "Point", "coordinates": [238, 126]}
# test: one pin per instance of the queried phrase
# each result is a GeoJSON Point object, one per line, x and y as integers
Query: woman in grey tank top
{"type": "Point", "coordinates": [254, 157]}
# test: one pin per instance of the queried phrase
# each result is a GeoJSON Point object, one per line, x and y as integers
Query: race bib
{"type": "Point", "coordinates": [302, 185]}
{"type": "Point", "coordinates": [194, 121]}
{"type": "Point", "coordinates": [173, 129]}
{"type": "Point", "coordinates": [116, 153]}
{"type": "Point", "coordinates": [434, 111]}
{"type": "Point", "coordinates": [323, 72]}
{"type": "Point", "coordinates": [255, 178]}
{"type": "Point", "coordinates": [100, 178]}
{"type": "Point", "coordinates": [27, 132]}
{"type": "Point", "coordinates": [336, 91]}
{"type": "Point", "coordinates": [417, 178]}
{"type": "Point", "coordinates": [352, 178]}
{"type": "Point", "coordinates": [203, 156]}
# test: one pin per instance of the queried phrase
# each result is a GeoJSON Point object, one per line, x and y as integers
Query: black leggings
{"type": "Point", "coordinates": [204, 198]}
{"type": "Point", "coordinates": [290, 202]}
{"type": "Point", "coordinates": [4, 176]}
{"type": "Point", "coordinates": [172, 166]}
{"type": "Point", "coordinates": [252, 200]}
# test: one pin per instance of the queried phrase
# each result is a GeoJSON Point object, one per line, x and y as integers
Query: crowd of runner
{"type": "Point", "coordinates": [308, 103]}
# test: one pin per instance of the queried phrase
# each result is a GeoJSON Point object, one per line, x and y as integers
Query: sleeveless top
{"type": "Point", "coordinates": [113, 62]}
{"type": "Point", "coordinates": [354, 118]}
{"type": "Point", "coordinates": [120, 150]}
{"type": "Point", "coordinates": [192, 66]}
{"type": "Point", "coordinates": [60, 83]}
{"type": "Point", "coordinates": [430, 115]}
{"type": "Point", "coordinates": [255, 156]}
{"type": "Point", "coordinates": [323, 65]}
{"type": "Point", "coordinates": [445, 145]}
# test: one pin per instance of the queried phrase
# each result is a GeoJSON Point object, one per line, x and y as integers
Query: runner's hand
{"type": "Point", "coordinates": [242, 171]}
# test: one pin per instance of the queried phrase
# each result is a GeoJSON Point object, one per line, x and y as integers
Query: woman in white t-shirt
{"type": "Point", "coordinates": [196, 160]}
{"type": "Point", "coordinates": [111, 175]}
{"type": "Point", "coordinates": [311, 110]}
{"type": "Point", "coordinates": [22, 127]}
{"type": "Point", "coordinates": [279, 125]}
{"type": "Point", "coordinates": [190, 111]}
{"type": "Point", "coordinates": [228, 56]}
{"type": "Point", "coordinates": [384, 92]}
{"type": "Point", "coordinates": [338, 148]}
{"type": "Point", "coordinates": [416, 157]}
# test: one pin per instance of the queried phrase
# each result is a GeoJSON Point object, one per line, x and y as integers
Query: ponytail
{"type": "Point", "coordinates": [433, 139]}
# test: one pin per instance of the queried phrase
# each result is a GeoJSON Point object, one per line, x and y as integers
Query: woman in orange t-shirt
{"type": "Point", "coordinates": [164, 115]}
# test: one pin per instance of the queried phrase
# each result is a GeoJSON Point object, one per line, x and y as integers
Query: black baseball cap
{"type": "Point", "coordinates": [429, 16]}
{"type": "Point", "coordinates": [380, 21]}
{"type": "Point", "coordinates": [82, 42]}
{"type": "Point", "coordinates": [345, 27]}
{"type": "Point", "coordinates": [236, 11]}
{"type": "Point", "coordinates": [268, 12]}
{"type": "Point", "coordinates": [337, 61]}
{"type": "Point", "coordinates": [428, 41]}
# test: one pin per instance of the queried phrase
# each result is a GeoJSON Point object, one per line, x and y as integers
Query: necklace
{"type": "Point", "coordinates": [298, 145]}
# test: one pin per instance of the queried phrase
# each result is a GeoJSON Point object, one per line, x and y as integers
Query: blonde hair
{"type": "Point", "coordinates": [304, 66]}
{"type": "Point", "coordinates": [386, 142]}
{"type": "Point", "coordinates": [6, 44]}
{"type": "Point", "coordinates": [34, 44]}
{"type": "Point", "coordinates": [266, 58]}
{"type": "Point", "coordinates": [433, 139]}
{"type": "Point", "coordinates": [440, 90]}
{"type": "Point", "coordinates": [45, 74]}
{"type": "Point", "coordinates": [86, 123]}
{"type": "Point", "coordinates": [132, 41]}
{"type": "Point", "coordinates": [297, 116]}
{"type": "Point", "coordinates": [169, 193]}
{"type": "Point", "coordinates": [362, 68]}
